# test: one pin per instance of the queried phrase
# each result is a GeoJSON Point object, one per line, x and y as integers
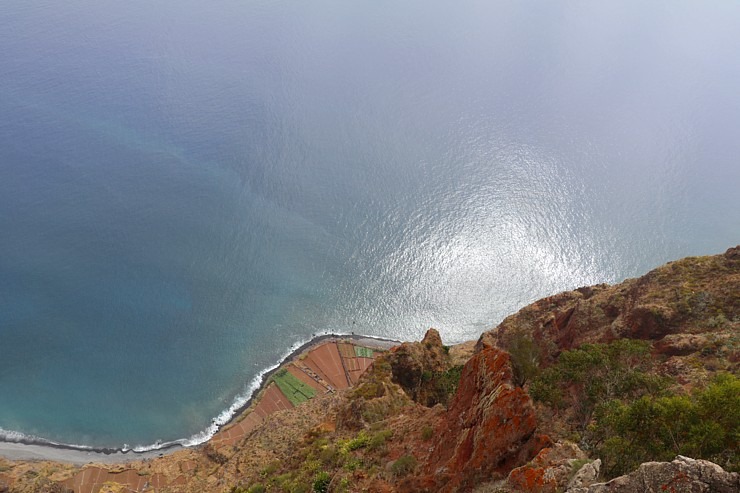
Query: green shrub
{"type": "Point", "coordinates": [445, 384]}
{"type": "Point", "coordinates": [525, 358]}
{"type": "Point", "coordinates": [597, 373]}
{"type": "Point", "coordinates": [360, 441]}
{"type": "Point", "coordinates": [343, 485]}
{"type": "Point", "coordinates": [369, 390]}
{"type": "Point", "coordinates": [270, 469]}
{"type": "Point", "coordinates": [352, 464]}
{"type": "Point", "coordinates": [427, 433]}
{"type": "Point", "coordinates": [378, 440]}
{"type": "Point", "coordinates": [403, 466]}
{"type": "Point", "coordinates": [321, 482]}
{"type": "Point", "coordinates": [300, 488]}
{"type": "Point", "coordinates": [331, 456]}
{"type": "Point", "coordinates": [705, 425]}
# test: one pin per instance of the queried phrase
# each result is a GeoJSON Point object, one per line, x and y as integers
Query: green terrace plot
{"type": "Point", "coordinates": [363, 352]}
{"type": "Point", "coordinates": [295, 390]}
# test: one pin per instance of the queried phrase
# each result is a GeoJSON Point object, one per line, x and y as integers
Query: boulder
{"type": "Point", "coordinates": [549, 471]}
{"type": "Point", "coordinates": [586, 475]}
{"type": "Point", "coordinates": [683, 475]}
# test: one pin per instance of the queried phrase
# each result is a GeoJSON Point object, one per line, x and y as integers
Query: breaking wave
{"type": "Point", "coordinates": [240, 402]}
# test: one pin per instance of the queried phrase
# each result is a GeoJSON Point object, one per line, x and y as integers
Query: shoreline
{"type": "Point", "coordinates": [40, 450]}
{"type": "Point", "coordinates": [315, 341]}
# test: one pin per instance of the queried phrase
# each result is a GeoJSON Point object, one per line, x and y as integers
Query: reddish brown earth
{"type": "Point", "coordinates": [488, 429]}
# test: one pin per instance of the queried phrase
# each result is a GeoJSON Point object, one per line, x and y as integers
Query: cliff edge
{"type": "Point", "coordinates": [599, 389]}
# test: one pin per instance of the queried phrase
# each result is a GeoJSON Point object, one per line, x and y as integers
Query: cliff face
{"type": "Point", "coordinates": [425, 417]}
{"type": "Point", "coordinates": [488, 429]}
{"type": "Point", "coordinates": [687, 306]}
{"type": "Point", "coordinates": [490, 424]}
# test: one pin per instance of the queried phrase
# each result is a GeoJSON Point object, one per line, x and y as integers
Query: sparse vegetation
{"type": "Point", "coordinates": [214, 455]}
{"type": "Point", "coordinates": [403, 466]}
{"type": "Point", "coordinates": [427, 433]}
{"type": "Point", "coordinates": [379, 439]}
{"type": "Point", "coordinates": [627, 415]}
{"type": "Point", "coordinates": [525, 357]}
{"type": "Point", "coordinates": [596, 373]}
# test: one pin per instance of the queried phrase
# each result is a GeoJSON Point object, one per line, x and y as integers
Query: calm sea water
{"type": "Point", "coordinates": [189, 188]}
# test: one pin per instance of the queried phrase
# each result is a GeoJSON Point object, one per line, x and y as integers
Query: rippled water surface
{"type": "Point", "coordinates": [189, 188]}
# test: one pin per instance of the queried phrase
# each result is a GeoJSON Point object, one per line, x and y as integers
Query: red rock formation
{"type": "Point", "coordinates": [413, 363]}
{"type": "Point", "coordinates": [549, 472]}
{"type": "Point", "coordinates": [695, 295]}
{"type": "Point", "coordinates": [488, 430]}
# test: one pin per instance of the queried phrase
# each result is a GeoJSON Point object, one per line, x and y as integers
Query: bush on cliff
{"type": "Point", "coordinates": [525, 357]}
{"type": "Point", "coordinates": [595, 373]}
{"type": "Point", "coordinates": [705, 425]}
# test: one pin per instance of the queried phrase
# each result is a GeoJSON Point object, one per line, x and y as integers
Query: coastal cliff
{"type": "Point", "coordinates": [593, 390]}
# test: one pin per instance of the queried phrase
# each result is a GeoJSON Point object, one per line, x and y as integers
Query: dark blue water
{"type": "Point", "coordinates": [187, 189]}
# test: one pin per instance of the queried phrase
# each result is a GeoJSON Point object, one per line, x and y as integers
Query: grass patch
{"type": "Point", "coordinates": [363, 352]}
{"type": "Point", "coordinates": [427, 433]}
{"type": "Point", "coordinates": [295, 390]}
{"type": "Point", "coordinates": [321, 482]}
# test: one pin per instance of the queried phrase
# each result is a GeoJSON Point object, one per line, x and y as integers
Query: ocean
{"type": "Point", "coordinates": [190, 189]}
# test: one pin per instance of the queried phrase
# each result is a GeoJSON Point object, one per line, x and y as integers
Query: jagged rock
{"type": "Point", "coordinates": [682, 344]}
{"type": "Point", "coordinates": [683, 475]}
{"type": "Point", "coordinates": [733, 253]}
{"type": "Point", "coordinates": [488, 430]}
{"type": "Point", "coordinates": [695, 296]}
{"type": "Point", "coordinates": [361, 411]}
{"type": "Point", "coordinates": [549, 471]}
{"type": "Point", "coordinates": [414, 364]}
{"type": "Point", "coordinates": [375, 397]}
{"type": "Point", "coordinates": [586, 475]}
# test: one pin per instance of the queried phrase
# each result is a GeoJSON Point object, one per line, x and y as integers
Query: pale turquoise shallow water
{"type": "Point", "coordinates": [187, 189]}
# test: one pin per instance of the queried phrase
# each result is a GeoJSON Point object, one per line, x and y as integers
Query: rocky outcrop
{"type": "Point", "coordinates": [408, 372]}
{"type": "Point", "coordinates": [415, 364]}
{"type": "Point", "coordinates": [687, 306]}
{"type": "Point", "coordinates": [586, 475]}
{"type": "Point", "coordinates": [488, 430]}
{"type": "Point", "coordinates": [551, 470]}
{"type": "Point", "coordinates": [683, 475]}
